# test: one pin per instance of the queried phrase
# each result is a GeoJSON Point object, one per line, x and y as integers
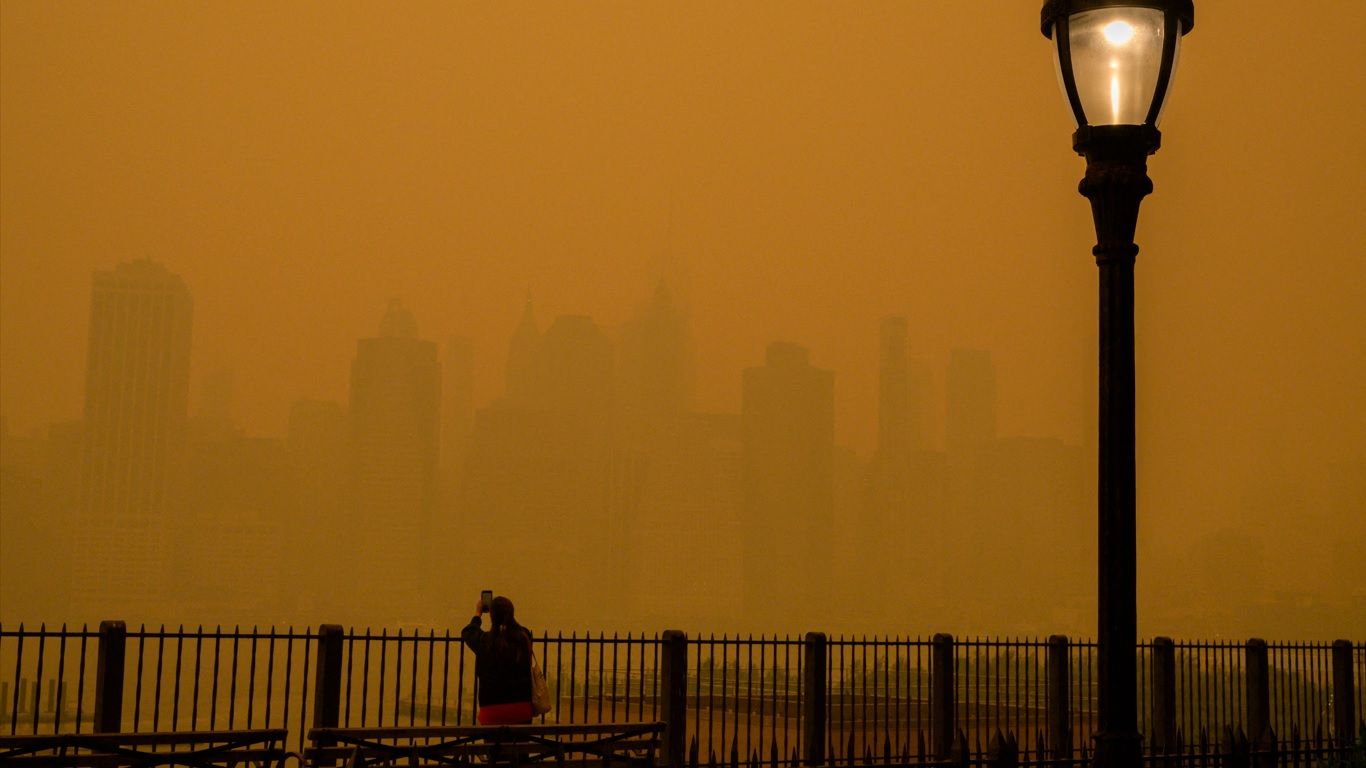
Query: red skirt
{"type": "Point", "coordinates": [515, 713]}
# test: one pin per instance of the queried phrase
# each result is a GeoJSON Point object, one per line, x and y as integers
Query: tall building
{"type": "Point", "coordinates": [788, 432]}
{"type": "Point", "coordinates": [522, 373]}
{"type": "Point", "coordinates": [457, 418]}
{"type": "Point", "coordinates": [971, 413]}
{"type": "Point", "coordinates": [897, 408]}
{"type": "Point", "coordinates": [317, 450]}
{"type": "Point", "coordinates": [541, 480]}
{"type": "Point", "coordinates": [656, 367]}
{"type": "Point", "coordinates": [395, 422]}
{"type": "Point", "coordinates": [137, 380]}
{"type": "Point", "coordinates": [900, 510]}
{"type": "Point", "coordinates": [575, 371]}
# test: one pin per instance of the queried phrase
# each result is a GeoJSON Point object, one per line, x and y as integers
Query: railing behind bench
{"type": "Point", "coordinates": [264, 747]}
{"type": "Point", "coordinates": [632, 745]}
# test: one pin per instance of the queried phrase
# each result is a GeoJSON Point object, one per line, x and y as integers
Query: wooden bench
{"type": "Point", "coordinates": [630, 745]}
{"type": "Point", "coordinates": [263, 747]}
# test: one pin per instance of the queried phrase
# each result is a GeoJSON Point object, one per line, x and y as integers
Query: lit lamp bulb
{"type": "Point", "coordinates": [1118, 32]}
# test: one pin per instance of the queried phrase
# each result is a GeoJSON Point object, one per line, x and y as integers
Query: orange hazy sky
{"type": "Point", "coordinates": [799, 170]}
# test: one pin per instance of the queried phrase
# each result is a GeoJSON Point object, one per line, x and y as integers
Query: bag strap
{"type": "Point", "coordinates": [531, 649]}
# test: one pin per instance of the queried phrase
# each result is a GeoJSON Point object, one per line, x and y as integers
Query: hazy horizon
{"type": "Point", "coordinates": [791, 172]}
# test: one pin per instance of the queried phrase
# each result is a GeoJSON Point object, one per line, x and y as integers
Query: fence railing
{"type": "Point", "coordinates": [781, 700]}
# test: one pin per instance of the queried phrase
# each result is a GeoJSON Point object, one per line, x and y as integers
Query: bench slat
{"type": "Point", "coordinates": [158, 748]}
{"type": "Point", "coordinates": [570, 729]}
{"type": "Point", "coordinates": [589, 744]}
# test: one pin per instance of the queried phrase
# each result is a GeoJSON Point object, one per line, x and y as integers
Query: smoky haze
{"type": "Point", "coordinates": [762, 317]}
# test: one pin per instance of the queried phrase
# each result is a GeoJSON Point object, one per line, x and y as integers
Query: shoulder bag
{"type": "Point", "coordinates": [540, 693]}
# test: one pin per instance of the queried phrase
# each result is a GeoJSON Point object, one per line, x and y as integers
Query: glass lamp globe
{"type": "Point", "coordinates": [1115, 58]}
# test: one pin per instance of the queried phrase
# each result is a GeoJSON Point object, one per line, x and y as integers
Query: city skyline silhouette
{"type": "Point", "coordinates": [654, 196]}
{"type": "Point", "coordinates": [591, 470]}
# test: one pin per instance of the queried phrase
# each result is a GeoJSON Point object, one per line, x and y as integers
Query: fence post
{"type": "Point", "coordinates": [1059, 698]}
{"type": "Point", "coordinates": [327, 679]}
{"type": "Point", "coordinates": [1344, 697]}
{"type": "Point", "coordinates": [109, 677]}
{"type": "Point", "coordinates": [674, 694]}
{"type": "Point", "coordinates": [1258, 690]}
{"type": "Point", "coordinates": [942, 706]}
{"type": "Point", "coordinates": [1164, 696]}
{"type": "Point", "coordinates": [813, 686]}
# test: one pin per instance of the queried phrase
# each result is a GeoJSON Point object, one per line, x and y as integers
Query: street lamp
{"type": "Point", "coordinates": [1114, 61]}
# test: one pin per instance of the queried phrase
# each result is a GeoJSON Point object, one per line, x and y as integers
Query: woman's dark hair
{"type": "Point", "coordinates": [507, 633]}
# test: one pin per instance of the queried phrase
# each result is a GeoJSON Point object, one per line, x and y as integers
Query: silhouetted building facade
{"type": "Point", "coordinates": [229, 562]}
{"type": "Point", "coordinates": [788, 425]}
{"type": "Point", "coordinates": [318, 454]}
{"type": "Point", "coordinates": [542, 478]}
{"type": "Point", "coordinates": [903, 508]}
{"type": "Point", "coordinates": [457, 418]}
{"type": "Point", "coordinates": [137, 381]}
{"type": "Point", "coordinates": [39, 487]}
{"type": "Point", "coordinates": [898, 427]}
{"type": "Point", "coordinates": [656, 369]}
{"type": "Point", "coordinates": [395, 420]}
{"type": "Point", "coordinates": [970, 419]}
{"type": "Point", "coordinates": [684, 552]}
{"type": "Point", "coordinates": [522, 374]}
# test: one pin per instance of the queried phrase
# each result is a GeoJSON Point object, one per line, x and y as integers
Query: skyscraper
{"type": "Point", "coordinates": [788, 425]}
{"type": "Point", "coordinates": [971, 416]}
{"type": "Point", "coordinates": [137, 380]}
{"type": "Point", "coordinates": [897, 425]}
{"type": "Point", "coordinates": [395, 422]}
{"type": "Point", "coordinates": [522, 383]}
{"type": "Point", "coordinates": [318, 454]}
{"type": "Point", "coordinates": [899, 487]}
{"type": "Point", "coordinates": [457, 417]}
{"type": "Point", "coordinates": [656, 367]}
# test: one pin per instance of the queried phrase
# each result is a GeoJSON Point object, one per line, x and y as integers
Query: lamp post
{"type": "Point", "coordinates": [1115, 60]}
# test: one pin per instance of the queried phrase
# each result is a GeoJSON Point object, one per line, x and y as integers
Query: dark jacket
{"type": "Point", "coordinates": [503, 670]}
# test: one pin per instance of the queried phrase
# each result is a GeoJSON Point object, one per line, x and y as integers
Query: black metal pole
{"type": "Point", "coordinates": [1116, 182]}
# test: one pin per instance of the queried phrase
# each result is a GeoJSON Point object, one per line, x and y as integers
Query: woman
{"type": "Point", "coordinates": [502, 664]}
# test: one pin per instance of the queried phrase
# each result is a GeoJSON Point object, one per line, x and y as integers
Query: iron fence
{"type": "Point", "coordinates": [421, 679]}
{"type": "Point", "coordinates": [747, 698]}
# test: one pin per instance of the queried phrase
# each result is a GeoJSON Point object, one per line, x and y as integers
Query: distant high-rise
{"type": "Point", "coordinates": [539, 479]}
{"type": "Point", "coordinates": [317, 450]}
{"type": "Point", "coordinates": [788, 426]}
{"type": "Point", "coordinates": [900, 479]}
{"type": "Point", "coordinates": [971, 418]}
{"type": "Point", "coordinates": [656, 368]}
{"type": "Point", "coordinates": [522, 372]}
{"type": "Point", "coordinates": [213, 419]}
{"type": "Point", "coordinates": [137, 380]}
{"type": "Point", "coordinates": [575, 369]}
{"type": "Point", "coordinates": [457, 415]}
{"type": "Point", "coordinates": [395, 419]}
{"type": "Point", "coordinates": [897, 423]}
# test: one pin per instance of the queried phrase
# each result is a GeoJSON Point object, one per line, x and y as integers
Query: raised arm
{"type": "Point", "coordinates": [473, 632]}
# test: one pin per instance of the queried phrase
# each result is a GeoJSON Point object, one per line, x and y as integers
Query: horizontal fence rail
{"type": "Point", "coordinates": [784, 700]}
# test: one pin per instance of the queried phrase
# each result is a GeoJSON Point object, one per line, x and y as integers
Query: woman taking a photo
{"type": "Point", "coordinates": [502, 664]}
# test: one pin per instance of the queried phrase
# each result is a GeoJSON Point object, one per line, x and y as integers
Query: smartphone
{"type": "Point", "coordinates": [486, 597]}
